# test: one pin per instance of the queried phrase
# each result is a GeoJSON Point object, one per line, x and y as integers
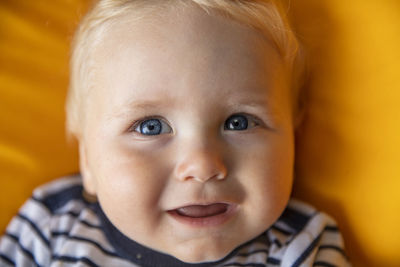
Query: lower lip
{"type": "Point", "coordinates": [210, 221]}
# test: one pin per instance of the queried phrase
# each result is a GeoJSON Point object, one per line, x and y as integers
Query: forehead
{"type": "Point", "coordinates": [185, 48]}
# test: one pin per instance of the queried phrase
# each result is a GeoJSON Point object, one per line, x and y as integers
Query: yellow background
{"type": "Point", "coordinates": [348, 150]}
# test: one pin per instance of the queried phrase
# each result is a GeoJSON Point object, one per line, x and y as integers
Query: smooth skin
{"type": "Point", "coordinates": [200, 78]}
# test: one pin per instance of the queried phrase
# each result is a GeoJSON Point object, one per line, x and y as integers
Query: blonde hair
{"type": "Point", "coordinates": [266, 16]}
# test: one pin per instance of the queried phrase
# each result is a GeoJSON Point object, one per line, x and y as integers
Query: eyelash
{"type": "Point", "coordinates": [252, 120]}
{"type": "Point", "coordinates": [137, 123]}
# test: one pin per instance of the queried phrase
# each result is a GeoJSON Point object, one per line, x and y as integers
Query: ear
{"type": "Point", "coordinates": [89, 182]}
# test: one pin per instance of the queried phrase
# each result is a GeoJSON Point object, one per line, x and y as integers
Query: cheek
{"type": "Point", "coordinates": [266, 171]}
{"type": "Point", "coordinates": [129, 178]}
{"type": "Point", "coordinates": [270, 153]}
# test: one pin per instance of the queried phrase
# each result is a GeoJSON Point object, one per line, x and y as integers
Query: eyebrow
{"type": "Point", "coordinates": [145, 104]}
{"type": "Point", "coordinates": [267, 107]}
{"type": "Point", "coordinates": [128, 106]}
{"type": "Point", "coordinates": [232, 103]}
{"type": "Point", "coordinates": [237, 102]}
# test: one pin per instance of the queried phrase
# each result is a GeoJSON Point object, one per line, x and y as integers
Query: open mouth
{"type": "Point", "coordinates": [202, 211]}
{"type": "Point", "coordinates": [203, 215]}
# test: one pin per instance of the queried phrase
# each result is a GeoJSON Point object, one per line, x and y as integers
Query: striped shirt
{"type": "Point", "coordinates": [57, 226]}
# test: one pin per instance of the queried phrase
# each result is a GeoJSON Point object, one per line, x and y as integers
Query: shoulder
{"type": "Point", "coordinates": [62, 195]}
{"type": "Point", "coordinates": [304, 236]}
{"type": "Point", "coordinates": [53, 208]}
{"type": "Point", "coordinates": [55, 195]}
{"type": "Point", "coordinates": [51, 201]}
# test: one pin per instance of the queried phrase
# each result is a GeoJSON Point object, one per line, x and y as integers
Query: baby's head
{"type": "Point", "coordinates": [185, 113]}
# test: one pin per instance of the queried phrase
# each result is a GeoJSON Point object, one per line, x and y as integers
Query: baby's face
{"type": "Point", "coordinates": [189, 139]}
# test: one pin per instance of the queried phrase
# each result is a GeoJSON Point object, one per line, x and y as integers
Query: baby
{"type": "Point", "coordinates": [185, 112]}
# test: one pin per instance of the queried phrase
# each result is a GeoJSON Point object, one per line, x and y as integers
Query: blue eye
{"type": "Point", "coordinates": [240, 122]}
{"type": "Point", "coordinates": [153, 127]}
{"type": "Point", "coordinates": [236, 123]}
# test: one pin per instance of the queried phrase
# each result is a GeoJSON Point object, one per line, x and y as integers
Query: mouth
{"type": "Point", "coordinates": [204, 215]}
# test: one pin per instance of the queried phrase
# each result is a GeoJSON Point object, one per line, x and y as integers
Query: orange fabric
{"type": "Point", "coordinates": [348, 149]}
{"type": "Point", "coordinates": [347, 162]}
{"type": "Point", "coordinates": [34, 48]}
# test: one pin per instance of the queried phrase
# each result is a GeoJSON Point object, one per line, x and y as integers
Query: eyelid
{"type": "Point", "coordinates": [137, 123]}
{"type": "Point", "coordinates": [250, 118]}
{"type": "Point", "coordinates": [134, 125]}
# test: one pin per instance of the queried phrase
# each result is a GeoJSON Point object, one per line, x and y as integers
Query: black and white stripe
{"type": "Point", "coordinates": [57, 227]}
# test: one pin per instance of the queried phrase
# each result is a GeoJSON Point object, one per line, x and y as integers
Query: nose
{"type": "Point", "coordinates": [201, 164]}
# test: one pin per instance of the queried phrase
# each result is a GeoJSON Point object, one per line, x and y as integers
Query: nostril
{"type": "Point", "coordinates": [221, 176]}
{"type": "Point", "coordinates": [203, 175]}
{"type": "Point", "coordinates": [216, 176]}
{"type": "Point", "coordinates": [201, 165]}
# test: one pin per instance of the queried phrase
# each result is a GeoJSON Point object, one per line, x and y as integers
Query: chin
{"type": "Point", "coordinates": [197, 255]}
